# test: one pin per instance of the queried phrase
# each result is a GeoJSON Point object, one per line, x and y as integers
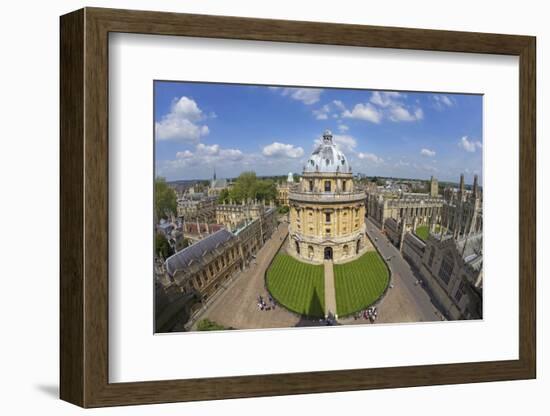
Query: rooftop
{"type": "Point", "coordinates": [194, 253]}
{"type": "Point", "coordinates": [326, 158]}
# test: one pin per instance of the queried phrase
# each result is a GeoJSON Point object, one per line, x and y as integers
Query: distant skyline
{"type": "Point", "coordinates": [233, 128]}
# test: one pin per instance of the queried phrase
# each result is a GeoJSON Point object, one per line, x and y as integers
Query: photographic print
{"type": "Point", "coordinates": [291, 206]}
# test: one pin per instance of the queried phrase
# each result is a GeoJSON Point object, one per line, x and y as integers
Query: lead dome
{"type": "Point", "coordinates": [327, 158]}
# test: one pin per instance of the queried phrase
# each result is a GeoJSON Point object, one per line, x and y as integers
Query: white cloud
{"type": "Point", "coordinates": [209, 150]}
{"type": "Point", "coordinates": [383, 105]}
{"type": "Point", "coordinates": [182, 122]}
{"type": "Point", "coordinates": [427, 152]}
{"type": "Point", "coordinates": [400, 113]}
{"type": "Point", "coordinates": [207, 154]}
{"type": "Point", "coordinates": [322, 113]}
{"type": "Point", "coordinates": [384, 99]}
{"type": "Point", "coordinates": [343, 142]}
{"type": "Point", "coordinates": [343, 127]}
{"type": "Point", "coordinates": [231, 154]}
{"type": "Point", "coordinates": [469, 145]}
{"type": "Point", "coordinates": [371, 157]}
{"type": "Point", "coordinates": [366, 112]}
{"type": "Point", "coordinates": [277, 149]}
{"type": "Point", "coordinates": [339, 105]}
{"type": "Point", "coordinates": [440, 102]}
{"type": "Point", "coordinates": [186, 154]}
{"type": "Point", "coordinates": [306, 95]}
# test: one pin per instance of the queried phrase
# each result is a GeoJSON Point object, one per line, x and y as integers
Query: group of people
{"type": "Point", "coordinates": [370, 314]}
{"type": "Point", "coordinates": [266, 306]}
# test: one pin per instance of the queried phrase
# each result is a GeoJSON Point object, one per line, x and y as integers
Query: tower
{"type": "Point", "coordinates": [434, 190]}
{"type": "Point", "coordinates": [475, 191]}
{"type": "Point", "coordinates": [327, 213]}
{"type": "Point", "coordinates": [461, 188]}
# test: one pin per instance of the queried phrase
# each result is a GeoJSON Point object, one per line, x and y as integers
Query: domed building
{"type": "Point", "coordinates": [327, 214]}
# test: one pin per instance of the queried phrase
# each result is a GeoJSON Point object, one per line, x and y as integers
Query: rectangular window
{"type": "Point", "coordinates": [344, 186]}
{"type": "Point", "coordinates": [327, 186]}
{"type": "Point", "coordinates": [446, 269]}
{"type": "Point", "coordinates": [327, 217]}
{"type": "Point", "coordinates": [310, 186]}
{"type": "Point", "coordinates": [459, 292]}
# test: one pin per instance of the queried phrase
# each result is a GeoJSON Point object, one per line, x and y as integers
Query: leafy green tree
{"type": "Point", "coordinates": [162, 246]}
{"type": "Point", "coordinates": [244, 187]}
{"type": "Point", "coordinates": [266, 189]}
{"type": "Point", "coordinates": [223, 197]}
{"type": "Point", "coordinates": [283, 209]}
{"type": "Point", "coordinates": [248, 185]}
{"type": "Point", "coordinates": [165, 199]}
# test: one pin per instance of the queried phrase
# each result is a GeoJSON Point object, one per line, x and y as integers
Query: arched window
{"type": "Point", "coordinates": [446, 268]}
{"type": "Point", "coordinates": [327, 186]}
{"type": "Point", "coordinates": [310, 251]}
{"type": "Point", "coordinates": [310, 186]}
{"type": "Point", "coordinates": [297, 247]}
{"type": "Point", "coordinates": [346, 250]}
{"type": "Point", "coordinates": [344, 186]}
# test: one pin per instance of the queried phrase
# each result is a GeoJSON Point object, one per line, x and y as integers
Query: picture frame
{"type": "Point", "coordinates": [84, 217]}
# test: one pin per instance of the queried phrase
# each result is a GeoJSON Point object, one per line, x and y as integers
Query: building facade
{"type": "Point", "coordinates": [190, 278]}
{"type": "Point", "coordinates": [284, 188]}
{"type": "Point", "coordinates": [451, 270]}
{"type": "Point", "coordinates": [449, 261]}
{"type": "Point", "coordinates": [327, 213]}
{"type": "Point", "coordinates": [462, 212]}
{"type": "Point", "coordinates": [233, 216]}
{"type": "Point", "coordinates": [197, 207]}
{"type": "Point", "coordinates": [382, 206]}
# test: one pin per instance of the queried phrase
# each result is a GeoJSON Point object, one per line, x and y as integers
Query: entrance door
{"type": "Point", "coordinates": [328, 253]}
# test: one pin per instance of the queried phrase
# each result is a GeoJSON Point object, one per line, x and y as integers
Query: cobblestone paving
{"type": "Point", "coordinates": [237, 306]}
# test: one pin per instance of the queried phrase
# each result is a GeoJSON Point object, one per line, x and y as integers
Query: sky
{"type": "Point", "coordinates": [272, 130]}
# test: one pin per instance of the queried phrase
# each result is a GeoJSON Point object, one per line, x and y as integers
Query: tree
{"type": "Point", "coordinates": [223, 197]}
{"type": "Point", "coordinates": [162, 246]}
{"type": "Point", "coordinates": [283, 209]}
{"type": "Point", "coordinates": [265, 190]}
{"type": "Point", "coordinates": [248, 186]}
{"type": "Point", "coordinates": [165, 199]}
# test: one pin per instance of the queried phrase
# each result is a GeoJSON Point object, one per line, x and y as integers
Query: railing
{"type": "Point", "coordinates": [327, 197]}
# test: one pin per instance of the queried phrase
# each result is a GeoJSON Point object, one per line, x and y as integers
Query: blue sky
{"type": "Point", "coordinates": [200, 127]}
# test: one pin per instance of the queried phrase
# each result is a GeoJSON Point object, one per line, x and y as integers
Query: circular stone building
{"type": "Point", "coordinates": [327, 215]}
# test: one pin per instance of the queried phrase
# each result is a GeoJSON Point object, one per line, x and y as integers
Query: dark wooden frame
{"type": "Point", "coordinates": [84, 208]}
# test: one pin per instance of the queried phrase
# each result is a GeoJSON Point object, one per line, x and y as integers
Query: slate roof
{"type": "Point", "coordinates": [473, 253]}
{"type": "Point", "coordinates": [218, 183]}
{"type": "Point", "coordinates": [194, 253]}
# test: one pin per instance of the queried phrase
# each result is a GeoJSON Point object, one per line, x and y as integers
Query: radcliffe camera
{"type": "Point", "coordinates": [284, 207]}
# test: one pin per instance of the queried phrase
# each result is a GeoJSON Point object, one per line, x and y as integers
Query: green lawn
{"type": "Point", "coordinates": [300, 287]}
{"type": "Point", "coordinates": [359, 283]}
{"type": "Point", "coordinates": [423, 231]}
